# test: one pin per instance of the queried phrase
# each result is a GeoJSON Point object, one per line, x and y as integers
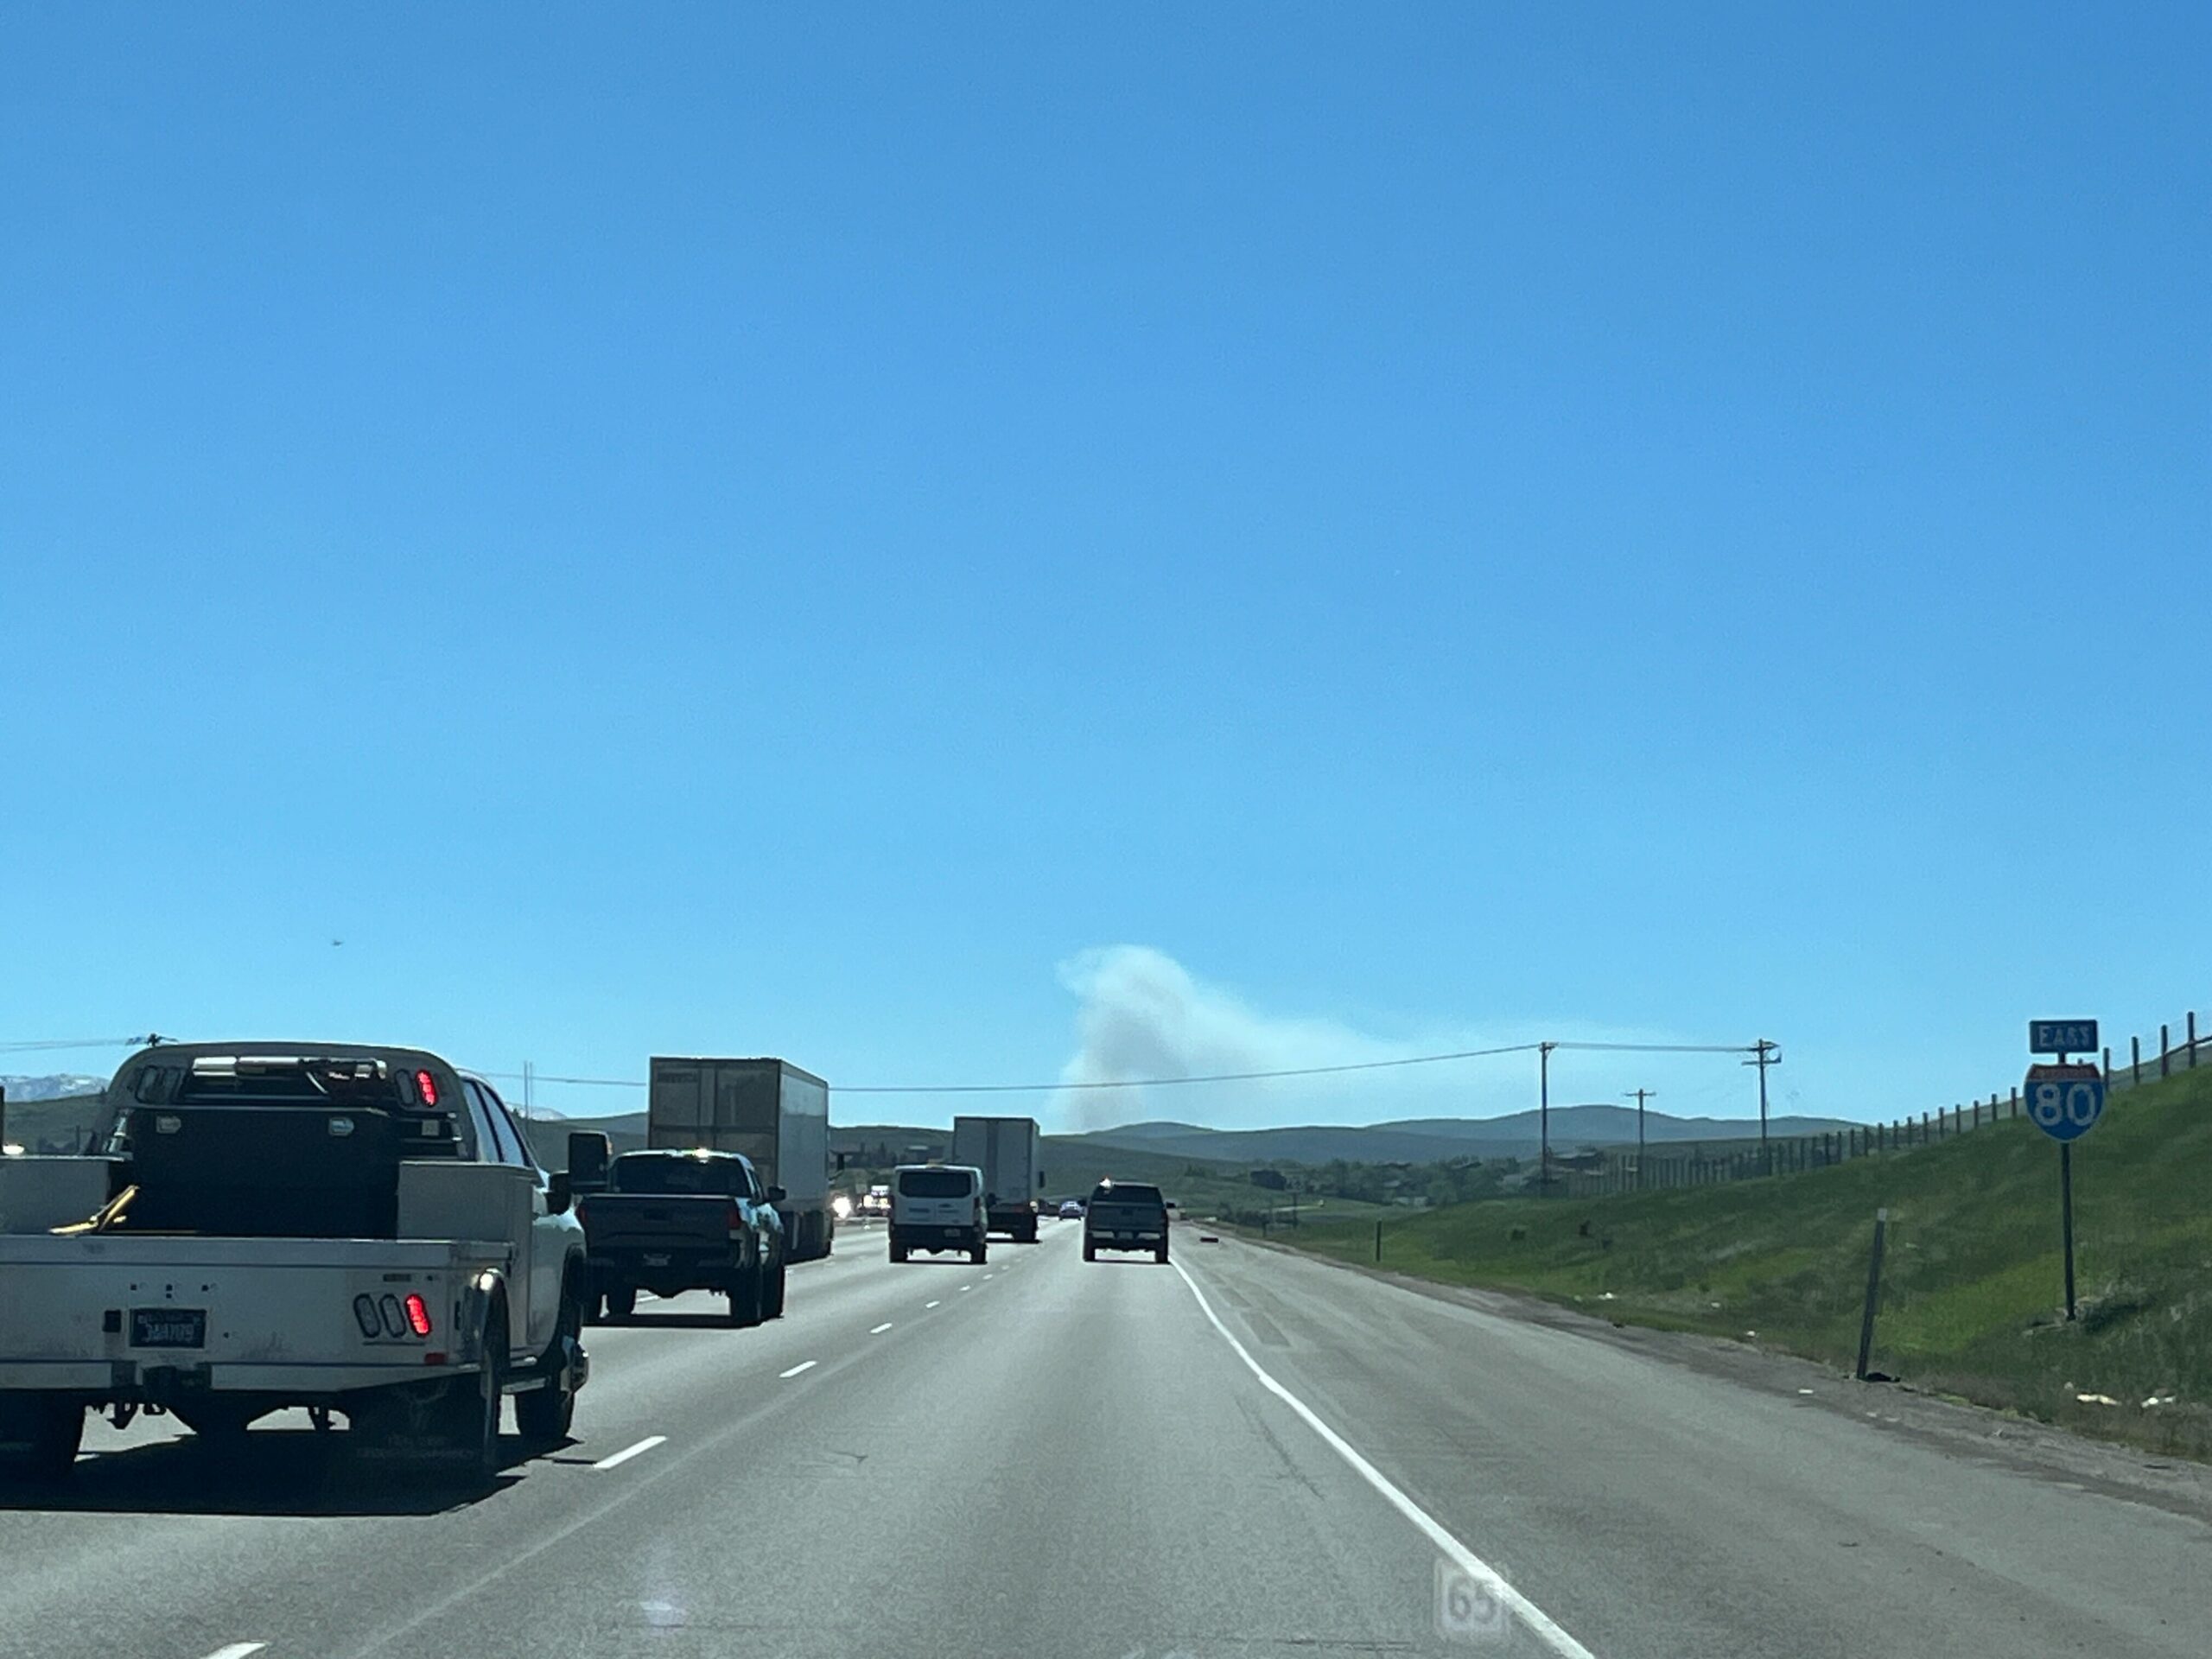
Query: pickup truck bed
{"type": "Point", "coordinates": [146, 1319]}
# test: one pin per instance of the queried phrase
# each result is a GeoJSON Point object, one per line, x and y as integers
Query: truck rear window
{"type": "Point", "coordinates": [936, 1184]}
{"type": "Point", "coordinates": [719, 1176]}
{"type": "Point", "coordinates": [273, 1081]}
{"type": "Point", "coordinates": [1120, 1193]}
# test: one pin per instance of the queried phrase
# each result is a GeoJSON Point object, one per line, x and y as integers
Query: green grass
{"type": "Point", "coordinates": [1973, 1295]}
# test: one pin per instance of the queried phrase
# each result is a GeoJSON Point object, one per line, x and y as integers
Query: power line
{"type": "Point", "coordinates": [1214, 1077]}
{"type": "Point", "coordinates": [588, 1083]}
{"type": "Point", "coordinates": [1163, 1083]}
{"type": "Point", "coordinates": [58, 1043]}
{"type": "Point", "coordinates": [1665, 1048]}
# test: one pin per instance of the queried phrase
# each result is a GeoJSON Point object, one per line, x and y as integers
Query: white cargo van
{"type": "Point", "coordinates": [938, 1207]}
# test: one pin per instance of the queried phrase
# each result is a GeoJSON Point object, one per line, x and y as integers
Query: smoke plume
{"type": "Point", "coordinates": [1143, 1015]}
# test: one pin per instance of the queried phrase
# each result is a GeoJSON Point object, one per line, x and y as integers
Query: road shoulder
{"type": "Point", "coordinates": [2176, 1485]}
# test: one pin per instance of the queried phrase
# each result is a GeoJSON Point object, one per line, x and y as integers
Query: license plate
{"type": "Point", "coordinates": [657, 1261]}
{"type": "Point", "coordinates": [169, 1327]}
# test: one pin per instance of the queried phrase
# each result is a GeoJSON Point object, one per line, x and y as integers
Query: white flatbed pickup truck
{"type": "Point", "coordinates": [354, 1229]}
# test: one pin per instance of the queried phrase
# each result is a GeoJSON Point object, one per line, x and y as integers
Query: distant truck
{"type": "Point", "coordinates": [1005, 1150]}
{"type": "Point", "coordinates": [775, 1114]}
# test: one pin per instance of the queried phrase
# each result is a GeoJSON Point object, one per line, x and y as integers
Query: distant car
{"type": "Point", "coordinates": [1071, 1210]}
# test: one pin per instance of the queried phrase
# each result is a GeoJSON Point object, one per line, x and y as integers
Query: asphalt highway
{"type": "Point", "coordinates": [1245, 1453]}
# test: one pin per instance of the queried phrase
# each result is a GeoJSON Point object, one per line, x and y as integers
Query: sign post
{"type": "Point", "coordinates": [2064, 1101]}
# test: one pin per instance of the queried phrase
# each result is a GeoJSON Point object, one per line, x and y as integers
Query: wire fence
{"type": "Point", "coordinates": [1609, 1170]}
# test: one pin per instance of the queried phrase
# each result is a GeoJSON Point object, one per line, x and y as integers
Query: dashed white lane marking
{"type": "Point", "coordinates": [1539, 1623]}
{"type": "Point", "coordinates": [880, 1329]}
{"type": "Point", "coordinates": [804, 1365]}
{"type": "Point", "coordinates": [238, 1650]}
{"type": "Point", "coordinates": [967, 1286]}
{"type": "Point", "coordinates": [623, 1456]}
{"type": "Point", "coordinates": [932, 1304]}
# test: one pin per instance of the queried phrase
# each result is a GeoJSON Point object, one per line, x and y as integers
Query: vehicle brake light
{"type": "Point", "coordinates": [736, 1219]}
{"type": "Point", "coordinates": [427, 1086]}
{"type": "Point", "coordinates": [418, 1315]}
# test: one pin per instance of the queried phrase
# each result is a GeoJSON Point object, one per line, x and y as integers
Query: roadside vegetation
{"type": "Point", "coordinates": [1973, 1297]}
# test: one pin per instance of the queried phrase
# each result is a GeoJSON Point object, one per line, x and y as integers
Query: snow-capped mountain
{"type": "Point", "coordinates": [58, 1086]}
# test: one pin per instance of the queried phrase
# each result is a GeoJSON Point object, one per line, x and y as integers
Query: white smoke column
{"type": "Point", "coordinates": [1144, 1015]}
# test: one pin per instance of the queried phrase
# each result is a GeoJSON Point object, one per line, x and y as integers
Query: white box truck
{"type": "Point", "coordinates": [1005, 1149]}
{"type": "Point", "coordinates": [775, 1114]}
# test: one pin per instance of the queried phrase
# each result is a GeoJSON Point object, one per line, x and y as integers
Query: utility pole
{"type": "Point", "coordinates": [1763, 1054]}
{"type": "Point", "coordinates": [1544, 1118]}
{"type": "Point", "coordinates": [1642, 1094]}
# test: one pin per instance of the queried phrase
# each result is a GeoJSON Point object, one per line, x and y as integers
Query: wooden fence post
{"type": "Point", "coordinates": [2192, 1039]}
{"type": "Point", "coordinates": [1873, 1293]}
{"type": "Point", "coordinates": [2015, 1100]}
{"type": "Point", "coordinates": [2164, 1045]}
{"type": "Point", "coordinates": [2135, 1059]}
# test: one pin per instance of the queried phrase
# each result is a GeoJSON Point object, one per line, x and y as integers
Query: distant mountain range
{"type": "Point", "coordinates": [1412, 1140]}
{"type": "Point", "coordinates": [1436, 1140]}
{"type": "Point", "coordinates": [62, 1105]}
{"type": "Point", "coordinates": [58, 1086]}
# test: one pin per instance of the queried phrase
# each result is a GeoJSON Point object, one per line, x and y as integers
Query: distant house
{"type": "Point", "coordinates": [1273, 1180]}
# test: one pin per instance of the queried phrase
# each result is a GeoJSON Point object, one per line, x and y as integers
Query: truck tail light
{"type": "Point", "coordinates": [418, 1315]}
{"type": "Point", "coordinates": [364, 1315]}
{"type": "Point", "coordinates": [735, 1219]}
{"type": "Point", "coordinates": [427, 1086]}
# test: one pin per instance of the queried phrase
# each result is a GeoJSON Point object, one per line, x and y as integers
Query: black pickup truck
{"type": "Point", "coordinates": [669, 1222]}
{"type": "Point", "coordinates": [1125, 1215]}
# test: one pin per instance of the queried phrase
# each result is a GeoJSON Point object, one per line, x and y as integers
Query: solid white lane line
{"type": "Point", "coordinates": [932, 1304]}
{"type": "Point", "coordinates": [630, 1452]}
{"type": "Point", "coordinates": [238, 1650]}
{"type": "Point", "coordinates": [804, 1365]}
{"type": "Point", "coordinates": [880, 1329]}
{"type": "Point", "coordinates": [1539, 1622]}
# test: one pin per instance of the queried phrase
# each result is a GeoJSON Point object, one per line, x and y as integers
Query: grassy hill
{"type": "Point", "coordinates": [1425, 1140]}
{"type": "Point", "coordinates": [1973, 1290]}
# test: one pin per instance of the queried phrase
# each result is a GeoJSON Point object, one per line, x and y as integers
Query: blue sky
{"type": "Point", "coordinates": [731, 532]}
